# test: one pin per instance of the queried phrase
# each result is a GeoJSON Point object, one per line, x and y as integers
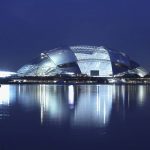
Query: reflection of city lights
{"type": "Point", "coordinates": [7, 93]}
{"type": "Point", "coordinates": [123, 94]}
{"type": "Point", "coordinates": [50, 102]}
{"type": "Point", "coordinates": [104, 121]}
{"type": "Point", "coordinates": [123, 99]}
{"type": "Point", "coordinates": [4, 95]}
{"type": "Point", "coordinates": [141, 94]}
{"type": "Point", "coordinates": [49, 97]}
{"type": "Point", "coordinates": [71, 95]}
{"type": "Point", "coordinates": [91, 108]}
{"type": "Point", "coordinates": [94, 109]}
{"type": "Point", "coordinates": [98, 104]}
{"type": "Point", "coordinates": [128, 97]}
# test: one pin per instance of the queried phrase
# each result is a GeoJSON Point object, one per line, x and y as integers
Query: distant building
{"type": "Point", "coordinates": [87, 60]}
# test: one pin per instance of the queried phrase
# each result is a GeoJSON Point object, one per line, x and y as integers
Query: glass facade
{"type": "Point", "coordinates": [82, 60]}
{"type": "Point", "coordinates": [93, 58]}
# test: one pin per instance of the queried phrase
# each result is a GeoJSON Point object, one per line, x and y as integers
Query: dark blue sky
{"type": "Point", "coordinates": [29, 26]}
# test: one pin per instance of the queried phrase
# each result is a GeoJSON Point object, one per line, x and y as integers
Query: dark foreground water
{"type": "Point", "coordinates": [81, 117]}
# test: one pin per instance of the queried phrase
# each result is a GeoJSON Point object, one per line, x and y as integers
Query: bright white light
{"type": "Point", "coordinates": [71, 94]}
{"type": "Point", "coordinates": [141, 94]}
{"type": "Point", "coordinates": [4, 95]}
{"type": "Point", "coordinates": [6, 74]}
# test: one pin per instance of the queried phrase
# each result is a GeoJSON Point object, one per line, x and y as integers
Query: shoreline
{"type": "Point", "coordinates": [75, 80]}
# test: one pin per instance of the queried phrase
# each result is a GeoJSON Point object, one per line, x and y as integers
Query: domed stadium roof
{"type": "Point", "coordinates": [89, 60]}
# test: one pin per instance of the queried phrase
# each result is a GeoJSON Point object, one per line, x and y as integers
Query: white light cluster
{"type": "Point", "coordinates": [6, 73]}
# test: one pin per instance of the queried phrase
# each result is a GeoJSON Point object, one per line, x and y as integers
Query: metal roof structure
{"type": "Point", "coordinates": [89, 60]}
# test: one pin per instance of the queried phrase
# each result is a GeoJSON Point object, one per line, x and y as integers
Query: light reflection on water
{"type": "Point", "coordinates": [80, 105]}
{"type": "Point", "coordinates": [7, 95]}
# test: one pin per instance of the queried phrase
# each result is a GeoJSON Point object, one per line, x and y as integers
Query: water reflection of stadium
{"type": "Point", "coordinates": [82, 105]}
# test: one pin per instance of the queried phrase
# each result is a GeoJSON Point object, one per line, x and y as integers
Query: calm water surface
{"type": "Point", "coordinates": [89, 117]}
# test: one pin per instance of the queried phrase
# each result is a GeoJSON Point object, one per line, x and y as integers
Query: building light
{"type": "Point", "coordinates": [4, 74]}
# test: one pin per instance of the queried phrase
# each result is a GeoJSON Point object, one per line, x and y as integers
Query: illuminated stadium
{"type": "Point", "coordinates": [82, 60]}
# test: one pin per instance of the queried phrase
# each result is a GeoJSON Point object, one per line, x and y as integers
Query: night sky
{"type": "Point", "coordinates": [28, 27]}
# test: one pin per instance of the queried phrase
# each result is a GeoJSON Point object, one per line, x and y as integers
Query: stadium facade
{"type": "Point", "coordinates": [86, 60]}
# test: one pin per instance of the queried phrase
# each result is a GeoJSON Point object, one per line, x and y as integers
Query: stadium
{"type": "Point", "coordinates": [91, 61]}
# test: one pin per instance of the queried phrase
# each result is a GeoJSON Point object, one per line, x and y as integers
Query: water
{"type": "Point", "coordinates": [77, 117]}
